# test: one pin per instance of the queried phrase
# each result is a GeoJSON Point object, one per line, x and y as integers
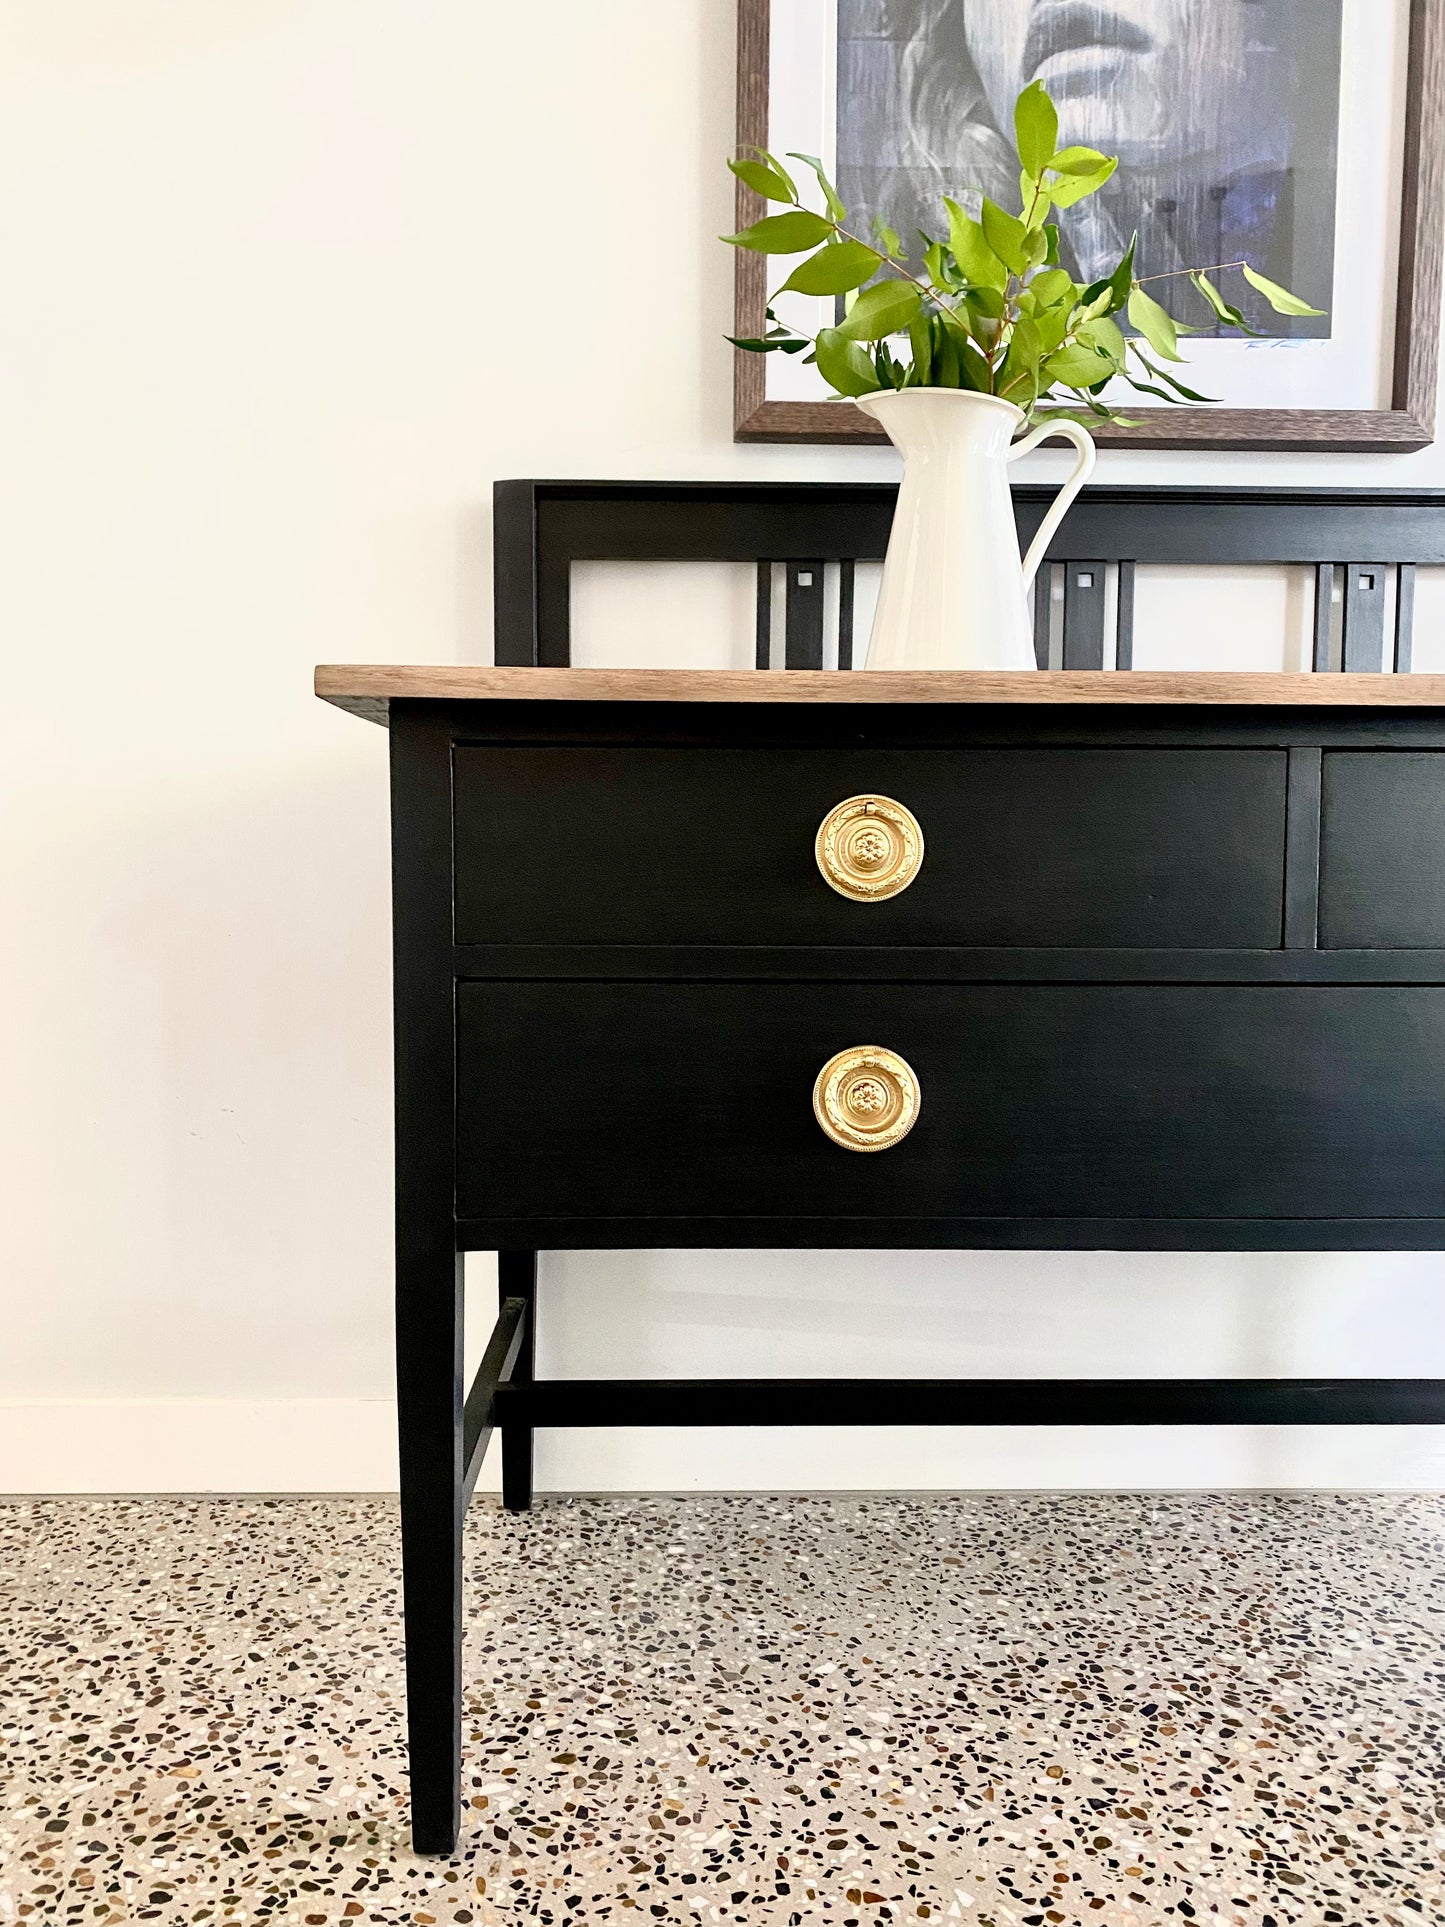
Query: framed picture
{"type": "Point", "coordinates": [1305, 136]}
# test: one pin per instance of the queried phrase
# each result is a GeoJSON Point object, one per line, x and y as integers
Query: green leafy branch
{"type": "Point", "coordinates": [992, 312]}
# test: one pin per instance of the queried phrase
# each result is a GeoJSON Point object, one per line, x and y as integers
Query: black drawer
{"type": "Point", "coordinates": [1382, 850]}
{"type": "Point", "coordinates": [1136, 847]}
{"type": "Point", "coordinates": [595, 1100]}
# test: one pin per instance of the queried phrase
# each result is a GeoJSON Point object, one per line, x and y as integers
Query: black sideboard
{"type": "Point", "coordinates": [1160, 963]}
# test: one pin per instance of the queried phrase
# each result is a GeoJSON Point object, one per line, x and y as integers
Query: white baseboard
{"type": "Point", "coordinates": [198, 1445]}
{"type": "Point", "coordinates": [349, 1445]}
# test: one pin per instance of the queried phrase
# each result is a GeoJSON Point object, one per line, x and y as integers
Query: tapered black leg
{"type": "Point", "coordinates": [430, 1391]}
{"type": "Point", "coordinates": [429, 1388]}
{"type": "Point", "coordinates": [517, 1278]}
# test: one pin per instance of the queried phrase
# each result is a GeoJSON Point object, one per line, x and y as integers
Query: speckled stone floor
{"type": "Point", "coordinates": [1007, 1709]}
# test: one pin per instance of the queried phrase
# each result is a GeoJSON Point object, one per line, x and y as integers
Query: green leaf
{"type": "Point", "coordinates": [1121, 281]}
{"type": "Point", "coordinates": [941, 269]}
{"type": "Point", "coordinates": [834, 269]}
{"type": "Point", "coordinates": [887, 238]}
{"type": "Point", "coordinates": [948, 363]}
{"type": "Point", "coordinates": [784, 338]}
{"type": "Point", "coordinates": [979, 265]}
{"type": "Point", "coordinates": [1036, 128]}
{"type": "Point", "coordinates": [890, 372]}
{"type": "Point", "coordinates": [884, 309]}
{"type": "Point", "coordinates": [1162, 374]}
{"type": "Point", "coordinates": [830, 193]}
{"type": "Point", "coordinates": [1077, 366]}
{"type": "Point", "coordinates": [782, 233]}
{"type": "Point", "coordinates": [1096, 410]}
{"type": "Point", "coordinates": [1148, 388]}
{"type": "Point", "coordinates": [1280, 299]}
{"type": "Point", "coordinates": [1159, 329]}
{"type": "Point", "coordinates": [1021, 363]}
{"type": "Point", "coordinates": [762, 154]}
{"type": "Point", "coordinates": [1024, 390]}
{"type": "Point", "coordinates": [1005, 237]}
{"type": "Point", "coordinates": [1077, 187]}
{"type": "Point", "coordinates": [920, 340]}
{"type": "Point", "coordinates": [1051, 252]}
{"type": "Point", "coordinates": [1215, 299]}
{"type": "Point", "coordinates": [844, 365]}
{"type": "Point", "coordinates": [1051, 286]}
{"type": "Point", "coordinates": [1053, 325]}
{"type": "Point", "coordinates": [974, 369]}
{"type": "Point", "coordinates": [1077, 160]}
{"type": "Point", "coordinates": [770, 182]}
{"type": "Point", "coordinates": [987, 303]}
{"type": "Point", "coordinates": [779, 340]}
{"type": "Point", "coordinates": [1105, 336]}
{"type": "Point", "coordinates": [1099, 305]}
{"type": "Point", "coordinates": [1025, 349]}
{"type": "Point", "coordinates": [1229, 315]}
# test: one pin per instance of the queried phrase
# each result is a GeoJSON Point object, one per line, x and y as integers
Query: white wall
{"type": "Point", "coordinates": [287, 284]}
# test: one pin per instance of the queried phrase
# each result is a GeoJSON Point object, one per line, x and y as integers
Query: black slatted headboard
{"type": "Point", "coordinates": [542, 528]}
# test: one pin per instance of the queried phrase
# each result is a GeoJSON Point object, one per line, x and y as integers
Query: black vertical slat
{"type": "Point", "coordinates": [556, 541]}
{"type": "Point", "coordinates": [803, 645]}
{"type": "Point", "coordinates": [514, 573]}
{"type": "Point", "coordinates": [1124, 631]}
{"type": "Point", "coordinates": [1302, 850]}
{"type": "Point", "coordinates": [1043, 605]}
{"type": "Point", "coordinates": [1083, 615]}
{"type": "Point", "coordinates": [1404, 617]}
{"type": "Point", "coordinates": [517, 1278]}
{"type": "Point", "coordinates": [1364, 638]}
{"type": "Point", "coordinates": [1324, 594]}
{"type": "Point", "coordinates": [765, 616]}
{"type": "Point", "coordinates": [845, 613]}
{"type": "Point", "coordinates": [554, 610]}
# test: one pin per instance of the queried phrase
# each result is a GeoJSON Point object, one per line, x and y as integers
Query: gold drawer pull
{"type": "Point", "coordinates": [867, 1098]}
{"type": "Point", "coordinates": [869, 848]}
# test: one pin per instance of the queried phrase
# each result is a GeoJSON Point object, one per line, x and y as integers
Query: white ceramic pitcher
{"type": "Point", "coordinates": [953, 595]}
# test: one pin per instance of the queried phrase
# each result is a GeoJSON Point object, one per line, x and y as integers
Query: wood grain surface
{"type": "Point", "coordinates": [365, 689]}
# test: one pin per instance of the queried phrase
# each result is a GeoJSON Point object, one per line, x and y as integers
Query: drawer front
{"type": "Point", "coordinates": [1036, 1101]}
{"type": "Point", "coordinates": [1382, 850]}
{"type": "Point", "coordinates": [1147, 848]}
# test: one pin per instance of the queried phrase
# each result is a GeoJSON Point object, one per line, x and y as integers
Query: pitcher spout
{"type": "Point", "coordinates": [955, 419]}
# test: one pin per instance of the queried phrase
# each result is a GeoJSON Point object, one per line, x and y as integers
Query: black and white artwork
{"type": "Point", "coordinates": [1224, 115]}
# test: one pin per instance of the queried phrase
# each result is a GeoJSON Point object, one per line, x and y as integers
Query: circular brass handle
{"type": "Point", "coordinates": [867, 1098]}
{"type": "Point", "coordinates": [869, 848]}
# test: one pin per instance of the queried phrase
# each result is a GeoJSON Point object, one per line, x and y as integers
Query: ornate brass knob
{"type": "Point", "coordinates": [867, 1098]}
{"type": "Point", "coordinates": [869, 848]}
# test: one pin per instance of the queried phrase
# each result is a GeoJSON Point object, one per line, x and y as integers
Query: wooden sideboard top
{"type": "Point", "coordinates": [367, 689]}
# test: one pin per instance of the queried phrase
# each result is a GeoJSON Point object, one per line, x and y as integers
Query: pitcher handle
{"type": "Point", "coordinates": [1083, 441]}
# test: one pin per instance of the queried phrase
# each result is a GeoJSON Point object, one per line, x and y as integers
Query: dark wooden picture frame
{"type": "Point", "coordinates": [1408, 423]}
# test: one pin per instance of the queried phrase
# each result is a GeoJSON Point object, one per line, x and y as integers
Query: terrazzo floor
{"type": "Point", "coordinates": [988, 1709]}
